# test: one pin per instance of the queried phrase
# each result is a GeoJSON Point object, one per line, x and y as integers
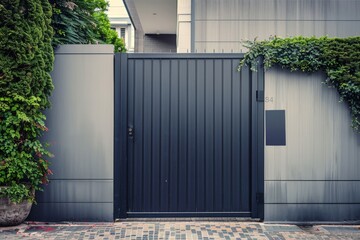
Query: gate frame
{"type": "Point", "coordinates": [121, 139]}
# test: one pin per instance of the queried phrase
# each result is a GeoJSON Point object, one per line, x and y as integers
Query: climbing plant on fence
{"type": "Point", "coordinates": [339, 58]}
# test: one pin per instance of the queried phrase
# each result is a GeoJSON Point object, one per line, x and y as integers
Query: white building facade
{"type": "Point", "coordinates": [121, 22]}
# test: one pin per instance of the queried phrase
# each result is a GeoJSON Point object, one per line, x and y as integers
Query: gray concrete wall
{"type": "Point", "coordinates": [221, 25]}
{"type": "Point", "coordinates": [80, 126]}
{"type": "Point", "coordinates": [315, 177]}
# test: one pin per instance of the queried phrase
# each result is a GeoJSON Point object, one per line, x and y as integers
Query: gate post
{"type": "Point", "coordinates": [257, 145]}
{"type": "Point", "coordinates": [120, 140]}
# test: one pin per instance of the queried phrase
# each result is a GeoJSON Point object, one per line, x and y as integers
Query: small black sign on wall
{"type": "Point", "coordinates": [275, 128]}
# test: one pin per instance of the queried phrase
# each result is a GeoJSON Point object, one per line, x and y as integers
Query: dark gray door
{"type": "Point", "coordinates": [187, 135]}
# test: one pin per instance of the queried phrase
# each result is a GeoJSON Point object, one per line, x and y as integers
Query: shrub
{"type": "Point", "coordinates": [26, 58]}
{"type": "Point", "coordinates": [72, 22]}
{"type": "Point", "coordinates": [22, 154]}
{"type": "Point", "coordinates": [105, 33]}
{"type": "Point", "coordinates": [83, 22]}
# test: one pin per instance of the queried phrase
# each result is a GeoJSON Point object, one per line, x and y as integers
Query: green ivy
{"type": "Point", "coordinates": [339, 58]}
{"type": "Point", "coordinates": [17, 193]}
{"type": "Point", "coordinates": [26, 59]}
{"type": "Point", "coordinates": [22, 155]}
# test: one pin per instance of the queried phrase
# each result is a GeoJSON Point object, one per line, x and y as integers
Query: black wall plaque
{"type": "Point", "coordinates": [275, 128]}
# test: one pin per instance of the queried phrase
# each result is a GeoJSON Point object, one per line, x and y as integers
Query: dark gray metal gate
{"type": "Point", "coordinates": [188, 136]}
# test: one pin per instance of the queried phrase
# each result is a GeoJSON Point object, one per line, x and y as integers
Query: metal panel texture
{"type": "Point", "coordinates": [191, 128]}
{"type": "Point", "coordinates": [221, 25]}
{"type": "Point", "coordinates": [315, 177]}
{"type": "Point", "coordinates": [81, 132]}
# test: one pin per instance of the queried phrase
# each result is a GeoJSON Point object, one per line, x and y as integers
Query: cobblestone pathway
{"type": "Point", "coordinates": [177, 231]}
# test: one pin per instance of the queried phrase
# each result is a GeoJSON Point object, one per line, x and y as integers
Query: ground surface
{"type": "Point", "coordinates": [177, 231]}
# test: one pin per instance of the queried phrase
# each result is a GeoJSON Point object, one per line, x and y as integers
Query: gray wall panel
{"type": "Point", "coordinates": [82, 212]}
{"type": "Point", "coordinates": [87, 191]}
{"type": "Point", "coordinates": [81, 118]}
{"type": "Point", "coordinates": [84, 49]}
{"type": "Point", "coordinates": [81, 133]}
{"type": "Point", "coordinates": [315, 177]}
{"type": "Point", "coordinates": [233, 31]}
{"type": "Point", "coordinates": [221, 25]}
{"type": "Point", "coordinates": [321, 145]}
{"type": "Point", "coordinates": [312, 192]}
{"type": "Point", "coordinates": [340, 10]}
{"type": "Point", "coordinates": [312, 212]}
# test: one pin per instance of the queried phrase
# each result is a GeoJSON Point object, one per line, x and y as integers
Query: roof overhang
{"type": "Point", "coordinates": [153, 16]}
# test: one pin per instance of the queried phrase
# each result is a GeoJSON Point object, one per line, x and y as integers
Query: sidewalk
{"type": "Point", "coordinates": [177, 231]}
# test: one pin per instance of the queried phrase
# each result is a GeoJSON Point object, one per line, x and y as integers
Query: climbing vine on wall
{"type": "Point", "coordinates": [339, 58]}
{"type": "Point", "coordinates": [26, 60]}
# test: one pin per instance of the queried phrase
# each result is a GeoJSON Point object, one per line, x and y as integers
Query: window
{"type": "Point", "coordinates": [122, 33]}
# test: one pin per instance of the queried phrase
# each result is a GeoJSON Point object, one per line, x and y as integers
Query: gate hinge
{"type": "Point", "coordinates": [259, 95]}
{"type": "Point", "coordinates": [260, 198]}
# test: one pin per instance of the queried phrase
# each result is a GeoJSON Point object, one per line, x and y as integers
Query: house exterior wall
{"type": "Point", "coordinates": [221, 25]}
{"type": "Point", "coordinates": [80, 124]}
{"type": "Point", "coordinates": [119, 19]}
{"type": "Point", "coordinates": [135, 20]}
{"type": "Point", "coordinates": [184, 26]}
{"type": "Point", "coordinates": [154, 25]}
{"type": "Point", "coordinates": [315, 176]}
{"type": "Point", "coordinates": [129, 34]}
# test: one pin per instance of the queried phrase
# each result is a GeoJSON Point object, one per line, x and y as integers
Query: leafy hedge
{"type": "Point", "coordinates": [83, 22]}
{"type": "Point", "coordinates": [26, 59]}
{"type": "Point", "coordinates": [23, 166]}
{"type": "Point", "coordinates": [104, 31]}
{"type": "Point", "coordinates": [72, 22]}
{"type": "Point", "coordinates": [339, 58]}
{"type": "Point", "coordinates": [26, 55]}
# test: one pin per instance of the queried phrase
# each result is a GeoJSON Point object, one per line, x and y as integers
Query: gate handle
{"type": "Point", "coordinates": [131, 132]}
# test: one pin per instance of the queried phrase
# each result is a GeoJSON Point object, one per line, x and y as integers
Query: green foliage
{"type": "Point", "coordinates": [104, 31]}
{"type": "Point", "coordinates": [26, 58]}
{"type": "Point", "coordinates": [21, 153]}
{"type": "Point", "coordinates": [73, 22]}
{"type": "Point", "coordinates": [83, 22]}
{"type": "Point", "coordinates": [339, 58]}
{"type": "Point", "coordinates": [17, 193]}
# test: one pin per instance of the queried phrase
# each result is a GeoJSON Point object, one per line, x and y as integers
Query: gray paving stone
{"type": "Point", "coordinates": [177, 230]}
{"type": "Point", "coordinates": [341, 229]}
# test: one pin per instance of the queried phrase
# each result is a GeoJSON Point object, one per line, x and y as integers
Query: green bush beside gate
{"type": "Point", "coordinates": [26, 59]}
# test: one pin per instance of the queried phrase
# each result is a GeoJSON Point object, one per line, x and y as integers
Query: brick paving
{"type": "Point", "coordinates": [177, 230]}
